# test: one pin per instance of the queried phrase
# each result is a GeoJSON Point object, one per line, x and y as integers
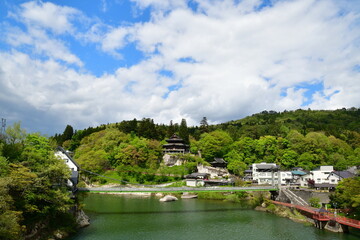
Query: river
{"type": "Point", "coordinates": [115, 217]}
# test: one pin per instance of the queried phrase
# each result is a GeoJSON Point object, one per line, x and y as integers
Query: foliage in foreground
{"type": "Point", "coordinates": [347, 196]}
{"type": "Point", "coordinates": [32, 186]}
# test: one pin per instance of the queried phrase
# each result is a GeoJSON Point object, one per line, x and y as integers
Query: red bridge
{"type": "Point", "coordinates": [323, 216]}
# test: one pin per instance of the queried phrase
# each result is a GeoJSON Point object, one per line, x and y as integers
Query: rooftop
{"type": "Point", "coordinates": [343, 174]}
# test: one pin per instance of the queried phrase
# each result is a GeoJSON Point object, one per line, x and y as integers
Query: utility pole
{"type": "Point", "coordinates": [3, 126]}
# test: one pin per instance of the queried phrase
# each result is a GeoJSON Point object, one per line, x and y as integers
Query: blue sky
{"type": "Point", "coordinates": [86, 63]}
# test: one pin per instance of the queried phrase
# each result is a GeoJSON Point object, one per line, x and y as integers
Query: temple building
{"type": "Point", "coordinates": [175, 144]}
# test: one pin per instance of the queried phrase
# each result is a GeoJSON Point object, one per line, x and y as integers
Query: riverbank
{"type": "Point", "coordinates": [65, 225]}
{"type": "Point", "coordinates": [116, 217]}
{"type": "Point", "coordinates": [284, 212]}
{"type": "Point", "coordinates": [259, 201]}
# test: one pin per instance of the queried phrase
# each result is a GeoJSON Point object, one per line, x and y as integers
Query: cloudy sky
{"type": "Point", "coordinates": [85, 63]}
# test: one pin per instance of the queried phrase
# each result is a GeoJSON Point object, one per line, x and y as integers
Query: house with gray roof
{"type": "Point", "coordinates": [265, 173]}
{"type": "Point", "coordinates": [336, 176]}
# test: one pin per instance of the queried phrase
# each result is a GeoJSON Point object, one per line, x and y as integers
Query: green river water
{"type": "Point", "coordinates": [116, 217]}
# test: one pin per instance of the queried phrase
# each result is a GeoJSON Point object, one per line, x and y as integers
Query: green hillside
{"type": "Point", "coordinates": [301, 138]}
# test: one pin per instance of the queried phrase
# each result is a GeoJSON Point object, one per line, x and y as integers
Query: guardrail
{"type": "Point", "coordinates": [323, 216]}
{"type": "Point", "coordinates": [178, 189]}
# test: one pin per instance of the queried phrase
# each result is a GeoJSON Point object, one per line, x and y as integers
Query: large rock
{"type": "Point", "coordinates": [187, 195]}
{"type": "Point", "coordinates": [82, 219]}
{"type": "Point", "coordinates": [172, 160]}
{"type": "Point", "coordinates": [168, 198]}
{"type": "Point", "coordinates": [213, 171]}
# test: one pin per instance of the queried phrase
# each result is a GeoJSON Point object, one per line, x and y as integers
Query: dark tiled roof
{"type": "Point", "coordinates": [219, 160]}
{"type": "Point", "coordinates": [343, 174]}
{"type": "Point", "coordinates": [324, 185]}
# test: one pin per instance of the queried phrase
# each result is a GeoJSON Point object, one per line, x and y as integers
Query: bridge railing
{"type": "Point", "coordinates": [323, 215]}
{"type": "Point", "coordinates": [348, 220]}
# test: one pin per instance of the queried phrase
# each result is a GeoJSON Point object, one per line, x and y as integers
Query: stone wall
{"type": "Point", "coordinates": [306, 194]}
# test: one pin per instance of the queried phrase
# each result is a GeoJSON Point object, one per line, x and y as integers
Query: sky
{"type": "Point", "coordinates": [91, 62]}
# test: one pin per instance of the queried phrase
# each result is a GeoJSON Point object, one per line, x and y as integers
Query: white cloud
{"type": "Point", "coordinates": [114, 39]}
{"type": "Point", "coordinates": [42, 44]}
{"type": "Point", "coordinates": [49, 16]}
{"type": "Point", "coordinates": [223, 61]}
{"type": "Point", "coordinates": [160, 5]}
{"type": "Point", "coordinates": [38, 18]}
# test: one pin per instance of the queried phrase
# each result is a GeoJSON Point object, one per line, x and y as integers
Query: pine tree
{"type": "Point", "coordinates": [183, 131]}
{"type": "Point", "coordinates": [204, 126]}
{"type": "Point", "coordinates": [67, 134]}
{"type": "Point", "coordinates": [171, 129]}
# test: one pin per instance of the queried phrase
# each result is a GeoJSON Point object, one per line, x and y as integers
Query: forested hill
{"type": "Point", "coordinates": [340, 123]}
{"type": "Point", "coordinates": [301, 138]}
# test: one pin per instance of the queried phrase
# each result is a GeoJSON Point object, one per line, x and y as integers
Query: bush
{"type": "Point", "coordinates": [211, 195]}
{"type": "Point", "coordinates": [271, 207]}
{"type": "Point", "coordinates": [315, 202]}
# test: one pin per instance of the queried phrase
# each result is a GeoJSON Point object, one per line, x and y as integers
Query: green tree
{"type": "Point", "coordinates": [184, 132]}
{"type": "Point", "coordinates": [15, 134]}
{"type": "Point", "coordinates": [347, 196]}
{"type": "Point", "coordinates": [214, 144]}
{"type": "Point", "coordinates": [10, 227]}
{"type": "Point", "coordinates": [204, 126]}
{"type": "Point", "coordinates": [67, 134]}
{"type": "Point", "coordinates": [289, 159]}
{"type": "Point", "coordinates": [236, 163]}
{"type": "Point", "coordinates": [171, 129]}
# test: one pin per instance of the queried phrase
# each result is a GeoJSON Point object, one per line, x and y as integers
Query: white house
{"type": "Point", "coordinates": [286, 177]}
{"type": "Point", "coordinates": [320, 175]}
{"type": "Point", "coordinates": [324, 177]}
{"type": "Point", "coordinates": [336, 176]}
{"type": "Point", "coordinates": [196, 179]}
{"type": "Point", "coordinates": [304, 179]}
{"type": "Point", "coordinates": [73, 166]}
{"type": "Point", "coordinates": [265, 173]}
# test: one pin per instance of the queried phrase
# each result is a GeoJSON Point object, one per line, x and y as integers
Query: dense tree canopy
{"type": "Point", "coordinates": [301, 138]}
{"type": "Point", "coordinates": [347, 196]}
{"type": "Point", "coordinates": [32, 185]}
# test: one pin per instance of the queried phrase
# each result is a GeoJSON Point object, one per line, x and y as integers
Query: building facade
{"type": "Point", "coordinates": [265, 173]}
{"type": "Point", "coordinates": [73, 166]}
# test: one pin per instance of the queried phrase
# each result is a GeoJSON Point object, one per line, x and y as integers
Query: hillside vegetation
{"type": "Point", "coordinates": [301, 138]}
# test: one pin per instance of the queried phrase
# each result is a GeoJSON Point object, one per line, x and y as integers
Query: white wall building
{"type": "Point", "coordinates": [196, 179]}
{"type": "Point", "coordinates": [265, 173]}
{"type": "Point", "coordinates": [73, 166]}
{"type": "Point", "coordinates": [336, 176]}
{"type": "Point", "coordinates": [320, 176]}
{"type": "Point", "coordinates": [304, 180]}
{"type": "Point", "coordinates": [285, 177]}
